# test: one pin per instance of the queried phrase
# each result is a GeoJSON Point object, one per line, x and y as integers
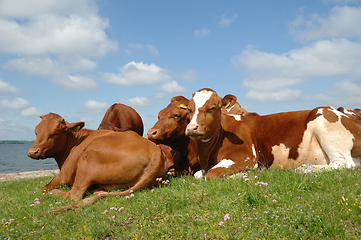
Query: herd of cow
{"type": "Point", "coordinates": [206, 136]}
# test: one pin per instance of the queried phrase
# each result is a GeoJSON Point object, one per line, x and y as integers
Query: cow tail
{"type": "Point", "coordinates": [157, 168]}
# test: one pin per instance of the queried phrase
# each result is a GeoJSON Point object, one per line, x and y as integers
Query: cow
{"type": "Point", "coordinates": [170, 130]}
{"type": "Point", "coordinates": [227, 144]}
{"type": "Point", "coordinates": [355, 114]}
{"type": "Point", "coordinates": [120, 117]}
{"type": "Point", "coordinates": [96, 160]}
{"type": "Point", "coordinates": [231, 106]}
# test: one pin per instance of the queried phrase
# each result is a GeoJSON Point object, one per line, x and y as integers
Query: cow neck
{"type": "Point", "coordinates": [73, 140]}
{"type": "Point", "coordinates": [180, 145]}
{"type": "Point", "coordinates": [207, 150]}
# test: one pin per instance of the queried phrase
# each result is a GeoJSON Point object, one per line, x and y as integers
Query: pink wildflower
{"type": "Point", "coordinates": [221, 223]}
{"type": "Point", "coordinates": [127, 197]}
{"type": "Point", "coordinates": [132, 195]}
{"type": "Point", "coordinates": [131, 191]}
{"type": "Point", "coordinates": [152, 190]}
{"type": "Point", "coordinates": [226, 217]}
{"type": "Point", "coordinates": [24, 218]}
{"type": "Point", "coordinates": [50, 205]}
{"type": "Point", "coordinates": [121, 209]}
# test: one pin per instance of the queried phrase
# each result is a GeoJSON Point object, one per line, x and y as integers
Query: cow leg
{"type": "Point", "coordinates": [56, 182]}
{"type": "Point", "coordinates": [228, 167]}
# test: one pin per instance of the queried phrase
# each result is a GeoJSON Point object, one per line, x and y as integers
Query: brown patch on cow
{"type": "Point", "coordinates": [329, 115]}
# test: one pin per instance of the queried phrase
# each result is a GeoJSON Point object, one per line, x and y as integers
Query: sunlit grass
{"type": "Point", "coordinates": [262, 204]}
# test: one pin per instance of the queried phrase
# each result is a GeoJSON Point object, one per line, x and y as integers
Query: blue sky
{"type": "Point", "coordinates": [78, 57]}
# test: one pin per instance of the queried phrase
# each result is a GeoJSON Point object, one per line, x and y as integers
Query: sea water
{"type": "Point", "coordinates": [14, 158]}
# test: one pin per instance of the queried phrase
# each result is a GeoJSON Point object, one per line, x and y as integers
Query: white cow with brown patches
{"type": "Point", "coordinates": [322, 136]}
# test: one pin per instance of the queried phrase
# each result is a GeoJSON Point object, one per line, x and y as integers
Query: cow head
{"type": "Point", "coordinates": [205, 113]}
{"type": "Point", "coordinates": [354, 114]}
{"type": "Point", "coordinates": [51, 136]}
{"type": "Point", "coordinates": [172, 121]}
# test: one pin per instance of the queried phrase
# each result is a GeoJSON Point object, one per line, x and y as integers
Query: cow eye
{"type": "Point", "coordinates": [211, 109]}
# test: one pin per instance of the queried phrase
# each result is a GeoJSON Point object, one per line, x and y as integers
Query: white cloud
{"type": "Point", "coordinates": [343, 93]}
{"type": "Point", "coordinates": [324, 58]}
{"type": "Point", "coordinates": [171, 87]}
{"type": "Point", "coordinates": [56, 34]}
{"type": "Point", "coordinates": [227, 20]}
{"type": "Point", "coordinates": [28, 9]}
{"type": "Point", "coordinates": [137, 101]}
{"type": "Point", "coordinates": [56, 70]}
{"type": "Point", "coordinates": [47, 67]}
{"type": "Point", "coordinates": [276, 96]}
{"type": "Point", "coordinates": [17, 103]}
{"type": "Point", "coordinates": [76, 82]}
{"type": "Point", "coordinates": [153, 50]}
{"type": "Point", "coordinates": [7, 87]}
{"type": "Point", "coordinates": [341, 22]}
{"type": "Point", "coordinates": [138, 74]}
{"type": "Point", "coordinates": [31, 111]}
{"type": "Point", "coordinates": [94, 107]}
{"type": "Point", "coordinates": [202, 32]}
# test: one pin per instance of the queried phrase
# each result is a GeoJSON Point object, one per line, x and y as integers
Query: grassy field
{"type": "Point", "coordinates": [269, 204]}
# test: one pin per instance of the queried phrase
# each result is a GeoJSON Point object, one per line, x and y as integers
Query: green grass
{"type": "Point", "coordinates": [323, 205]}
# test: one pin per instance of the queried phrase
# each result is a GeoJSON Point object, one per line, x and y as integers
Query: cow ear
{"type": "Point", "coordinates": [182, 101]}
{"type": "Point", "coordinates": [228, 100]}
{"type": "Point", "coordinates": [74, 127]}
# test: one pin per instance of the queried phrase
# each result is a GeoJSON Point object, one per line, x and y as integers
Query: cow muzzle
{"type": "Point", "coordinates": [34, 153]}
{"type": "Point", "coordinates": [193, 132]}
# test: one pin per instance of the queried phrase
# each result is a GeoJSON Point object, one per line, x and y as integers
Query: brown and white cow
{"type": "Point", "coordinates": [322, 136]}
{"type": "Point", "coordinates": [170, 130]}
{"type": "Point", "coordinates": [120, 117]}
{"type": "Point", "coordinates": [96, 159]}
{"type": "Point", "coordinates": [356, 113]}
{"type": "Point", "coordinates": [231, 106]}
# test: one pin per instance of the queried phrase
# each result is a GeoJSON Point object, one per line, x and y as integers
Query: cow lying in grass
{"type": "Point", "coordinates": [229, 144]}
{"type": "Point", "coordinates": [98, 160]}
{"type": "Point", "coordinates": [120, 118]}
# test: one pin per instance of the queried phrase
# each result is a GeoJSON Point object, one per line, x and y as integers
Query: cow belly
{"type": "Point", "coordinates": [309, 150]}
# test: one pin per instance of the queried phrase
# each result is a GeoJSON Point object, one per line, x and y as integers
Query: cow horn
{"type": "Point", "coordinates": [41, 116]}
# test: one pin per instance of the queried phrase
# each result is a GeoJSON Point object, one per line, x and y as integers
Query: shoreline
{"type": "Point", "coordinates": [32, 174]}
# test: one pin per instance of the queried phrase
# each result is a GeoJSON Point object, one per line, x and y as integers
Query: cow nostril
{"type": "Point", "coordinates": [195, 128]}
{"type": "Point", "coordinates": [154, 132]}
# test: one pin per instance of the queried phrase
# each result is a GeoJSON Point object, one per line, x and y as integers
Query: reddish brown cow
{"type": "Point", "coordinates": [99, 159]}
{"type": "Point", "coordinates": [231, 106]}
{"type": "Point", "coordinates": [120, 117]}
{"type": "Point", "coordinates": [322, 136]}
{"type": "Point", "coordinates": [170, 130]}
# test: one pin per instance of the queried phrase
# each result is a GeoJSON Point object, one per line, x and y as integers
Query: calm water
{"type": "Point", "coordinates": [14, 158]}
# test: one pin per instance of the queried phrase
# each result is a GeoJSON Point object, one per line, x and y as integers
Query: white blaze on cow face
{"type": "Point", "coordinates": [199, 99]}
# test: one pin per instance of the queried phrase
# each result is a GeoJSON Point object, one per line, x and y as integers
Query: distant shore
{"type": "Point", "coordinates": [15, 142]}
{"type": "Point", "coordinates": [33, 174]}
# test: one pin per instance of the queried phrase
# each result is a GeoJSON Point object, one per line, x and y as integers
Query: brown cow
{"type": "Point", "coordinates": [120, 117]}
{"type": "Point", "coordinates": [322, 136]}
{"type": "Point", "coordinates": [90, 159]}
{"type": "Point", "coordinates": [170, 130]}
{"type": "Point", "coordinates": [231, 106]}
